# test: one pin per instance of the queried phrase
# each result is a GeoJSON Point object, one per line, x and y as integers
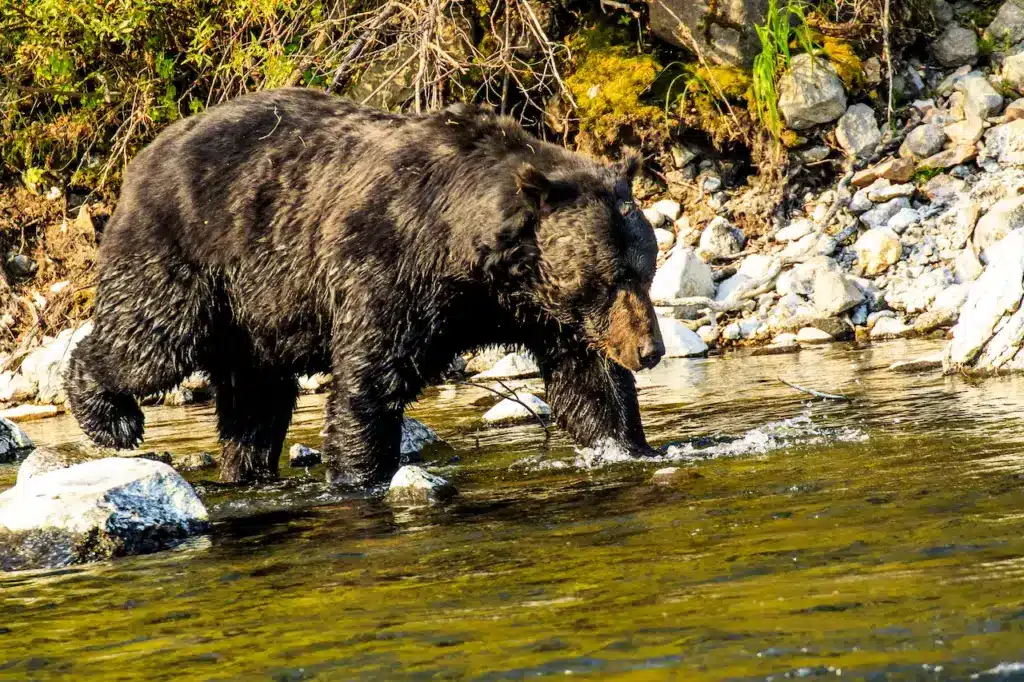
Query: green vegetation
{"type": "Point", "coordinates": [608, 82]}
{"type": "Point", "coordinates": [784, 28]}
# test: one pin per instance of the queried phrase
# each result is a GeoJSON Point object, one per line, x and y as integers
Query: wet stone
{"type": "Point", "coordinates": [300, 456]}
{"type": "Point", "coordinates": [414, 486]}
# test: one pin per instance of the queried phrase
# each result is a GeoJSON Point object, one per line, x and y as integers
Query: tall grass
{"type": "Point", "coordinates": [784, 28]}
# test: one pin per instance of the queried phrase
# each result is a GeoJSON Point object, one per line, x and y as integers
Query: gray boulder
{"type": "Point", "coordinates": [722, 32]}
{"type": "Point", "coordinates": [923, 141]}
{"type": "Point", "coordinates": [720, 239]}
{"type": "Point", "coordinates": [96, 510]}
{"type": "Point", "coordinates": [810, 93]}
{"type": "Point", "coordinates": [857, 132]}
{"type": "Point", "coordinates": [956, 46]}
{"type": "Point", "coordinates": [980, 99]}
{"type": "Point", "coordinates": [1007, 28]}
{"type": "Point", "coordinates": [1005, 143]}
{"type": "Point", "coordinates": [682, 275]}
{"type": "Point", "coordinates": [835, 294]}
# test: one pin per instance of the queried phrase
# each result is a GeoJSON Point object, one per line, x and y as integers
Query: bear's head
{"type": "Point", "coordinates": [595, 257]}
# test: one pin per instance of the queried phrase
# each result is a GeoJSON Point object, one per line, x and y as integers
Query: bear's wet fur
{"type": "Point", "coordinates": [290, 232]}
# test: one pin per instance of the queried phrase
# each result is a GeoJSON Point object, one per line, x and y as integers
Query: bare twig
{"type": "Point", "coordinates": [816, 394]}
{"type": "Point", "coordinates": [511, 395]}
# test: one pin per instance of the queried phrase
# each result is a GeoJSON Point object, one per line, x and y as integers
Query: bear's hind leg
{"type": "Point", "coordinates": [364, 427]}
{"type": "Point", "coordinates": [254, 408]}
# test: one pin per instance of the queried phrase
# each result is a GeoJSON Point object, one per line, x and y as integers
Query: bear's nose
{"type": "Point", "coordinates": [651, 352]}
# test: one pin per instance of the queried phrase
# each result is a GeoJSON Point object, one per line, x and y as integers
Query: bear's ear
{"type": "Point", "coordinates": [533, 185]}
{"type": "Point", "coordinates": [629, 165]}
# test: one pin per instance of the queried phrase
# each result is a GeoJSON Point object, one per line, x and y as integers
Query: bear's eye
{"type": "Point", "coordinates": [626, 207]}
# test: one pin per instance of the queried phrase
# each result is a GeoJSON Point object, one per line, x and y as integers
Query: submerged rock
{"type": "Point", "coordinates": [300, 456]}
{"type": "Point", "coordinates": [415, 436]}
{"type": "Point", "coordinates": [194, 461]}
{"type": "Point", "coordinates": [414, 486]}
{"type": "Point", "coordinates": [96, 510]}
{"type": "Point", "coordinates": [14, 442]}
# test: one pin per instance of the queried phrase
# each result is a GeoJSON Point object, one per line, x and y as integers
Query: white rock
{"type": "Point", "coordinates": [966, 132]}
{"type": "Point", "coordinates": [993, 299]}
{"type": "Point", "coordinates": [877, 250]}
{"type": "Point", "coordinates": [720, 239]}
{"type": "Point", "coordinates": [951, 299]}
{"type": "Point", "coordinates": [732, 332]}
{"type": "Point", "coordinates": [414, 486]}
{"type": "Point", "coordinates": [680, 341]}
{"type": "Point", "coordinates": [709, 334]}
{"type": "Point", "coordinates": [860, 202]}
{"type": "Point", "coordinates": [301, 456]}
{"type": "Point", "coordinates": [982, 100]}
{"type": "Point", "coordinates": [512, 366]}
{"type": "Point", "coordinates": [883, 191]}
{"type": "Point", "coordinates": [1005, 143]}
{"type": "Point", "coordinates": [903, 219]}
{"type": "Point", "coordinates": [915, 295]}
{"type": "Point", "coordinates": [415, 436]}
{"type": "Point", "coordinates": [968, 267]}
{"type": "Point", "coordinates": [682, 275]}
{"type": "Point", "coordinates": [795, 230]}
{"type": "Point", "coordinates": [1013, 71]}
{"type": "Point", "coordinates": [1004, 217]}
{"type": "Point", "coordinates": [890, 328]}
{"type": "Point", "coordinates": [880, 214]}
{"type": "Point", "coordinates": [314, 383]}
{"type": "Point", "coordinates": [45, 366]}
{"type": "Point", "coordinates": [665, 238]}
{"type": "Point", "coordinates": [655, 217]}
{"type": "Point", "coordinates": [812, 335]}
{"type": "Point", "coordinates": [665, 475]}
{"type": "Point", "coordinates": [1007, 27]}
{"type": "Point", "coordinates": [810, 93]}
{"type": "Point", "coordinates": [96, 510]}
{"type": "Point", "coordinates": [511, 411]}
{"type": "Point", "coordinates": [668, 208]}
{"type": "Point", "coordinates": [958, 223]}
{"type": "Point", "coordinates": [15, 388]}
{"type": "Point", "coordinates": [923, 141]}
{"type": "Point", "coordinates": [753, 271]}
{"type": "Point", "coordinates": [786, 339]}
{"type": "Point", "coordinates": [808, 247]}
{"type": "Point", "coordinates": [857, 132]}
{"type": "Point", "coordinates": [835, 294]}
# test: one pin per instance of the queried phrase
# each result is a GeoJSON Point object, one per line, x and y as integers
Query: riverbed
{"type": "Point", "coordinates": [881, 538]}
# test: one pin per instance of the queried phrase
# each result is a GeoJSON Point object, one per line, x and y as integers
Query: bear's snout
{"type": "Point", "coordinates": [633, 338]}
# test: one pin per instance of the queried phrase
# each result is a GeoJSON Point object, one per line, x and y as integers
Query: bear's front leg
{"type": "Point", "coordinates": [364, 427]}
{"type": "Point", "coordinates": [593, 398]}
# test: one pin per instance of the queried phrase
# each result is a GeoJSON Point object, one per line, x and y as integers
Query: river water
{"type": "Point", "coordinates": [878, 539]}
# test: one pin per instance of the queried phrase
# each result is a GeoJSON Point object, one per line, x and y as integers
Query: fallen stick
{"type": "Point", "coordinates": [817, 394]}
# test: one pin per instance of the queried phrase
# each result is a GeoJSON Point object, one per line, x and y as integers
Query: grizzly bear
{"type": "Point", "coordinates": [290, 232]}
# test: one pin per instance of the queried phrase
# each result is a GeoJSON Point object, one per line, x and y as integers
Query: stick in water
{"type": "Point", "coordinates": [816, 394]}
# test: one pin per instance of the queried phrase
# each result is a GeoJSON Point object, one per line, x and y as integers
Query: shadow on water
{"type": "Point", "coordinates": [879, 539]}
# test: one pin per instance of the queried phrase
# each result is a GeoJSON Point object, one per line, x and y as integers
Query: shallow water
{"type": "Point", "coordinates": [878, 539]}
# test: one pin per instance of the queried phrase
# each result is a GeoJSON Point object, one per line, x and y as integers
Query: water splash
{"type": "Point", "coordinates": [801, 430]}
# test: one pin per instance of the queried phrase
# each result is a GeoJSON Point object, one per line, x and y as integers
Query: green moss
{"type": "Point", "coordinates": [608, 83]}
{"type": "Point", "coordinates": [926, 174]}
{"type": "Point", "coordinates": [848, 65]}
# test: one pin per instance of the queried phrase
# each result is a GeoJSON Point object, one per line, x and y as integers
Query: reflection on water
{"type": "Point", "coordinates": [877, 539]}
